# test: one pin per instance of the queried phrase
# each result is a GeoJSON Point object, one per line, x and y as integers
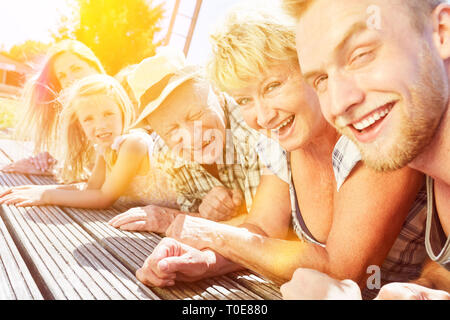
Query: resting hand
{"type": "Point", "coordinates": [172, 260]}
{"type": "Point", "coordinates": [43, 161]}
{"type": "Point", "coordinates": [196, 232]}
{"type": "Point", "coordinates": [410, 291]}
{"type": "Point", "coordinates": [221, 204]}
{"type": "Point", "coordinates": [24, 196]}
{"type": "Point", "coordinates": [38, 165]}
{"type": "Point", "coordinates": [307, 284]}
{"type": "Point", "coordinates": [150, 218]}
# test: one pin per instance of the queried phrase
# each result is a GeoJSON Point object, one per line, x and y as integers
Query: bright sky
{"type": "Point", "coordinates": [21, 20]}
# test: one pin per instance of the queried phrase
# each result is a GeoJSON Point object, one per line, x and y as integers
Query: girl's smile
{"type": "Point", "coordinates": [101, 119]}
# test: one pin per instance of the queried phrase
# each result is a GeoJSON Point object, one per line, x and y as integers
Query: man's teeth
{"type": "Point", "coordinates": [284, 124]}
{"type": "Point", "coordinates": [371, 120]}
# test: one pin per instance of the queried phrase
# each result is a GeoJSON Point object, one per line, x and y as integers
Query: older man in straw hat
{"type": "Point", "coordinates": [203, 144]}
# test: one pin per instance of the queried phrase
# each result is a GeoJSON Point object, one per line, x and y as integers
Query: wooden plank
{"type": "Point", "coordinates": [16, 150]}
{"type": "Point", "coordinates": [4, 159]}
{"type": "Point", "coordinates": [121, 243]}
{"type": "Point", "coordinates": [70, 262]}
{"type": "Point", "coordinates": [16, 282]}
{"type": "Point", "coordinates": [257, 284]}
{"type": "Point", "coordinates": [132, 249]}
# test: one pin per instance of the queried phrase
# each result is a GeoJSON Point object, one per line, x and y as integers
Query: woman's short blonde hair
{"type": "Point", "coordinates": [75, 152]}
{"type": "Point", "coordinates": [248, 41]}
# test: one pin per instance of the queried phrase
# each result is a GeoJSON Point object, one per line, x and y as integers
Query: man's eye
{"type": "Point", "coordinates": [272, 86]}
{"type": "Point", "coordinates": [320, 84]}
{"type": "Point", "coordinates": [170, 131]}
{"type": "Point", "coordinates": [196, 116]}
{"type": "Point", "coordinates": [243, 101]}
{"type": "Point", "coordinates": [362, 58]}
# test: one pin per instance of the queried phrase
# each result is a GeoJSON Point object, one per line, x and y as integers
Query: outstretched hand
{"type": "Point", "coordinates": [24, 196]}
{"type": "Point", "coordinates": [40, 164]}
{"type": "Point", "coordinates": [150, 218]}
{"type": "Point", "coordinates": [308, 284]}
{"type": "Point", "coordinates": [410, 291]}
{"type": "Point", "coordinates": [173, 261]}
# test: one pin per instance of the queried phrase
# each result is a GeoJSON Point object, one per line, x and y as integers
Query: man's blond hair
{"type": "Point", "coordinates": [420, 9]}
{"type": "Point", "coordinates": [247, 42]}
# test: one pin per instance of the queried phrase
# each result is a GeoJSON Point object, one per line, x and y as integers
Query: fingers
{"type": "Point", "coordinates": [127, 217]}
{"type": "Point", "coordinates": [155, 271]}
{"type": "Point", "coordinates": [167, 247]}
{"type": "Point", "coordinates": [435, 295]}
{"type": "Point", "coordinates": [219, 205]}
{"type": "Point", "coordinates": [26, 203]}
{"type": "Point", "coordinates": [221, 196]}
{"type": "Point", "coordinates": [394, 291]}
{"type": "Point", "coordinates": [4, 193]}
{"type": "Point", "coordinates": [237, 197]}
{"type": "Point", "coordinates": [15, 167]}
{"type": "Point", "coordinates": [172, 265]}
{"type": "Point", "coordinates": [409, 291]}
{"type": "Point", "coordinates": [149, 278]}
{"type": "Point", "coordinates": [8, 168]}
{"type": "Point", "coordinates": [45, 160]}
{"type": "Point", "coordinates": [153, 219]}
{"type": "Point", "coordinates": [11, 200]}
{"type": "Point", "coordinates": [18, 195]}
{"type": "Point", "coordinates": [35, 163]}
{"type": "Point", "coordinates": [213, 212]}
{"type": "Point", "coordinates": [40, 162]}
{"type": "Point", "coordinates": [134, 226]}
{"type": "Point", "coordinates": [22, 166]}
{"type": "Point", "coordinates": [285, 291]}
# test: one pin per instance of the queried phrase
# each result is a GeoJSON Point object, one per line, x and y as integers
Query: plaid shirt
{"type": "Point", "coordinates": [405, 259]}
{"type": "Point", "coordinates": [192, 181]}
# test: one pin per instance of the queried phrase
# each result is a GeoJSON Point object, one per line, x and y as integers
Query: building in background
{"type": "Point", "coordinates": [12, 75]}
{"type": "Point", "coordinates": [187, 25]}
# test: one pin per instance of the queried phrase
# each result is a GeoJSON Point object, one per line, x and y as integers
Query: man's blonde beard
{"type": "Point", "coordinates": [429, 98]}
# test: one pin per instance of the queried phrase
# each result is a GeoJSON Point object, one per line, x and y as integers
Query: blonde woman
{"type": "Point", "coordinates": [67, 61]}
{"type": "Point", "coordinates": [95, 121]}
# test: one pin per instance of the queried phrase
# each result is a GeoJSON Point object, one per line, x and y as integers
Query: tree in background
{"type": "Point", "coordinates": [119, 32]}
{"type": "Point", "coordinates": [28, 51]}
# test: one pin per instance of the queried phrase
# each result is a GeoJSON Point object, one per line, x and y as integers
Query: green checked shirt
{"type": "Point", "coordinates": [240, 169]}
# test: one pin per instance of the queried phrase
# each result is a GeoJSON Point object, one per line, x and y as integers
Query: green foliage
{"type": "Point", "coordinates": [8, 112]}
{"type": "Point", "coordinates": [119, 32]}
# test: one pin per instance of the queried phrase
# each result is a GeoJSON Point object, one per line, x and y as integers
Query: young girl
{"type": "Point", "coordinates": [67, 61]}
{"type": "Point", "coordinates": [95, 120]}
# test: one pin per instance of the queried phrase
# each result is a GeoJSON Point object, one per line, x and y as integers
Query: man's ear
{"type": "Point", "coordinates": [441, 29]}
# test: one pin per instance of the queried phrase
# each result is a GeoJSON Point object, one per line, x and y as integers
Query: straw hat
{"type": "Point", "coordinates": [156, 77]}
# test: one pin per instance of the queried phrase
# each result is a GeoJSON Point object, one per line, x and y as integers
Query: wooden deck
{"type": "Point", "coordinates": [61, 253]}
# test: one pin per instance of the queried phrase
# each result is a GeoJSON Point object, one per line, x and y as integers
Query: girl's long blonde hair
{"type": "Point", "coordinates": [75, 152]}
{"type": "Point", "coordinates": [40, 106]}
